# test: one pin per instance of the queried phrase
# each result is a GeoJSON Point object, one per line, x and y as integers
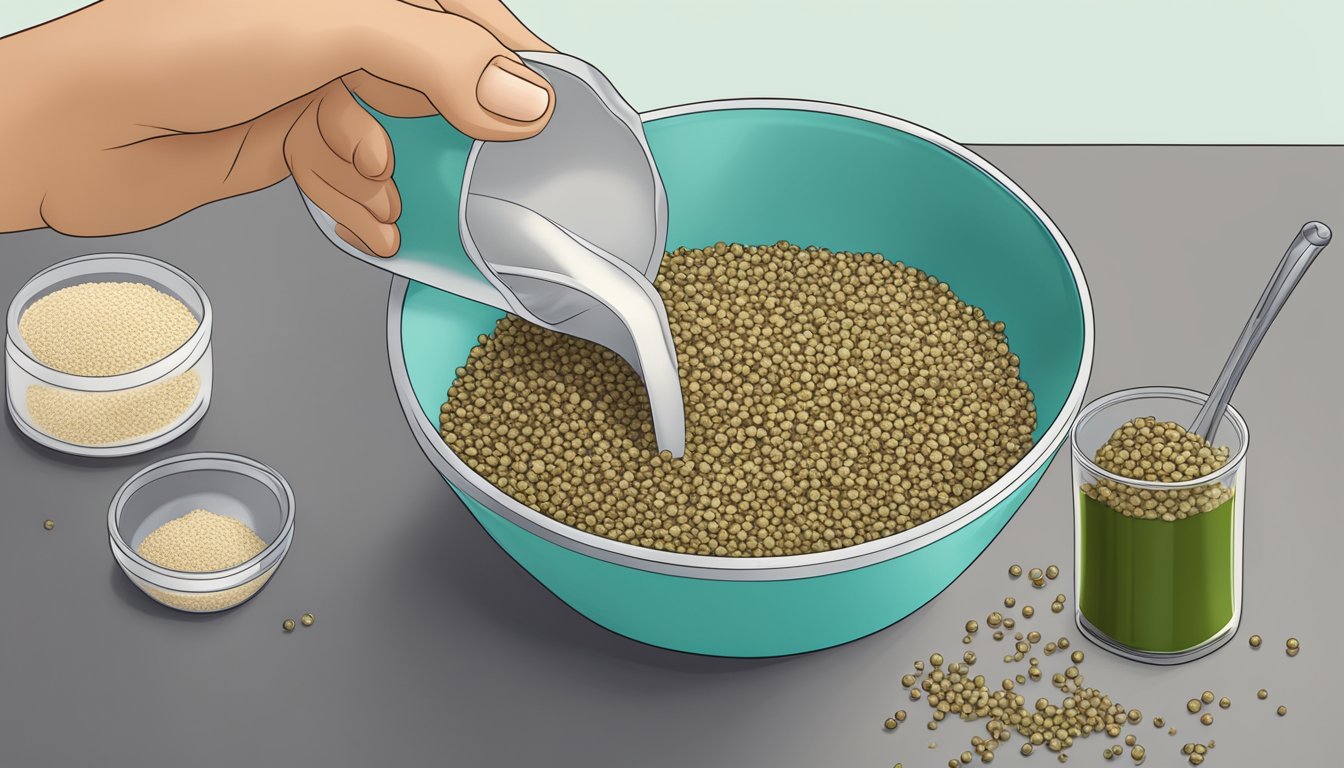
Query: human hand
{"type": "Point", "coordinates": [127, 114]}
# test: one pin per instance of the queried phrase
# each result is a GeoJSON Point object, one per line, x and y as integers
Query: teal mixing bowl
{"type": "Point", "coordinates": [758, 171]}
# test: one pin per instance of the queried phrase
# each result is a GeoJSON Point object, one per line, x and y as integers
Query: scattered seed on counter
{"type": "Point", "coordinates": [1131, 740]}
{"type": "Point", "coordinates": [1052, 572]}
{"type": "Point", "coordinates": [1262, 694]}
{"type": "Point", "coordinates": [306, 619]}
{"type": "Point", "coordinates": [1255, 641]}
{"type": "Point", "coordinates": [998, 634]}
{"type": "Point", "coordinates": [1009, 602]}
{"type": "Point", "coordinates": [49, 524]}
{"type": "Point", "coordinates": [287, 625]}
{"type": "Point", "coordinates": [994, 619]}
{"type": "Point", "coordinates": [1193, 706]}
{"type": "Point", "coordinates": [1206, 719]}
{"type": "Point", "coordinates": [1014, 570]}
{"type": "Point", "coordinates": [1207, 697]}
{"type": "Point", "coordinates": [972, 627]}
{"type": "Point", "coordinates": [890, 724]}
{"type": "Point", "coordinates": [1077, 657]}
{"type": "Point", "coordinates": [1292, 646]}
{"type": "Point", "coordinates": [1028, 611]}
{"type": "Point", "coordinates": [1282, 711]}
{"type": "Point", "coordinates": [1224, 702]}
{"type": "Point", "coordinates": [1158, 722]}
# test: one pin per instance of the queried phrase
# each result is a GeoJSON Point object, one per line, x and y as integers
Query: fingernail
{"type": "Point", "coordinates": [511, 90]}
{"type": "Point", "coordinates": [371, 158]}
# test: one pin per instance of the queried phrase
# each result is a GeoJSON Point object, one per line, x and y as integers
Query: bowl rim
{"type": "Point", "coordinates": [202, 582]}
{"type": "Point", "coordinates": [186, 355]}
{"type": "Point", "coordinates": [464, 479]}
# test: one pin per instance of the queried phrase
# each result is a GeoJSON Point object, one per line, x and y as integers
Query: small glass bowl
{"type": "Point", "coordinates": [1158, 576]}
{"type": "Point", "coordinates": [136, 411]}
{"type": "Point", "coordinates": [221, 483]}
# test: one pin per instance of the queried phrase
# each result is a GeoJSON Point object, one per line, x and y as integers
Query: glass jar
{"type": "Point", "coordinates": [117, 415]}
{"type": "Point", "coordinates": [1158, 566]}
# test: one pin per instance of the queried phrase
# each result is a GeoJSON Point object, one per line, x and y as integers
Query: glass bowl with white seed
{"type": "Point", "coordinates": [202, 532]}
{"type": "Point", "coordinates": [108, 355]}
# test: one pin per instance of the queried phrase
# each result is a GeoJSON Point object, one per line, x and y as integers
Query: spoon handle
{"type": "Point", "coordinates": [1309, 242]}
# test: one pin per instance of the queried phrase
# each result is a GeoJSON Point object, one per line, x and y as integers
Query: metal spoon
{"type": "Point", "coordinates": [1309, 242]}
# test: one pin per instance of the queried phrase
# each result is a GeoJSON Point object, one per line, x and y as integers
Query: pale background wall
{"type": "Point", "coordinates": [980, 71]}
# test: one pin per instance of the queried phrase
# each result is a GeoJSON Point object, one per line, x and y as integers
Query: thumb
{"type": "Point", "coordinates": [470, 77]}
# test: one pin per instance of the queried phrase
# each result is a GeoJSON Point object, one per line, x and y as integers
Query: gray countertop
{"type": "Point", "coordinates": [432, 647]}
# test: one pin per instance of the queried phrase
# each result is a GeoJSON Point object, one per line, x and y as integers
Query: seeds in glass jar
{"type": "Point", "coordinates": [103, 418]}
{"type": "Point", "coordinates": [767, 365]}
{"type": "Point", "coordinates": [1255, 641]}
{"type": "Point", "coordinates": [1163, 452]}
{"type": "Point", "coordinates": [105, 328]}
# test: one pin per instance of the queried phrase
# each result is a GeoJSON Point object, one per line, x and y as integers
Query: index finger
{"type": "Point", "coordinates": [495, 17]}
